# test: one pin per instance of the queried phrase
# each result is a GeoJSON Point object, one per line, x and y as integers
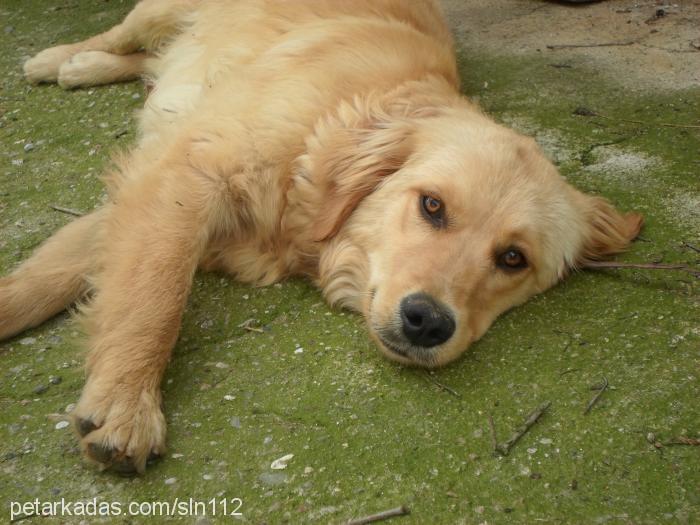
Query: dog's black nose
{"type": "Point", "coordinates": [425, 322]}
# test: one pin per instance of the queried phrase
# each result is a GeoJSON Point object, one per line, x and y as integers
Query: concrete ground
{"type": "Point", "coordinates": [368, 435]}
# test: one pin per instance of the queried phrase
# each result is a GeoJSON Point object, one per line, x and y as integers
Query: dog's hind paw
{"type": "Point", "coordinates": [44, 66]}
{"type": "Point", "coordinates": [121, 430]}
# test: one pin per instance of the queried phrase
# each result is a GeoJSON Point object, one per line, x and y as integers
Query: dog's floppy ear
{"type": "Point", "coordinates": [607, 231]}
{"type": "Point", "coordinates": [350, 154]}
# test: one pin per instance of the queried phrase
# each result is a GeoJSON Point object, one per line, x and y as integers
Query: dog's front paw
{"type": "Point", "coordinates": [44, 66]}
{"type": "Point", "coordinates": [122, 428]}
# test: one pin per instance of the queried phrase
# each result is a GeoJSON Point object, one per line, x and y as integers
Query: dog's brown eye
{"type": "Point", "coordinates": [433, 209]}
{"type": "Point", "coordinates": [511, 259]}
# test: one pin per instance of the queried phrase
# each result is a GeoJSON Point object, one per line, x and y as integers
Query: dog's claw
{"type": "Point", "coordinates": [100, 453]}
{"type": "Point", "coordinates": [84, 426]}
{"type": "Point", "coordinates": [124, 467]}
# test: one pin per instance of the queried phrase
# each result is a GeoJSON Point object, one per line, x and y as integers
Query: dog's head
{"type": "Point", "coordinates": [458, 219]}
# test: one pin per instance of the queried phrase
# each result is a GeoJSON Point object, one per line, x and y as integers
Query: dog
{"type": "Point", "coordinates": [321, 138]}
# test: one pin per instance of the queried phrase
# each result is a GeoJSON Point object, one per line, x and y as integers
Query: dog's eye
{"type": "Point", "coordinates": [511, 259]}
{"type": "Point", "coordinates": [433, 210]}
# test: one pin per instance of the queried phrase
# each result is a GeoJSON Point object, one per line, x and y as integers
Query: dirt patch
{"type": "Point", "coordinates": [640, 44]}
{"type": "Point", "coordinates": [622, 165]}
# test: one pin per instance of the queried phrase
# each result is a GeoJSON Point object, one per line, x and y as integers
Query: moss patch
{"type": "Point", "coordinates": [368, 435]}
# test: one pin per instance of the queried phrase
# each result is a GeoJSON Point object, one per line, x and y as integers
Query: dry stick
{"type": "Point", "coordinates": [596, 397]}
{"type": "Point", "coordinates": [568, 371]}
{"type": "Point", "coordinates": [69, 211]}
{"type": "Point", "coordinates": [441, 386]}
{"type": "Point", "coordinates": [688, 245]}
{"type": "Point", "coordinates": [607, 44]}
{"type": "Point", "coordinates": [504, 448]}
{"type": "Point", "coordinates": [246, 325]}
{"type": "Point", "coordinates": [585, 112]}
{"type": "Point", "coordinates": [682, 440]}
{"type": "Point", "coordinates": [380, 516]}
{"type": "Point", "coordinates": [494, 441]}
{"type": "Point", "coordinates": [643, 266]}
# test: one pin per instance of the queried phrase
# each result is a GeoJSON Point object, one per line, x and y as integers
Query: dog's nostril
{"type": "Point", "coordinates": [414, 319]}
{"type": "Point", "coordinates": [425, 322]}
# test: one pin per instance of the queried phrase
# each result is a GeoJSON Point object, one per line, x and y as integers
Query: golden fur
{"type": "Point", "coordinates": [289, 138]}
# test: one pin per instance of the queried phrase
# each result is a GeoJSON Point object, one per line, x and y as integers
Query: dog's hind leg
{"type": "Point", "coordinates": [93, 68]}
{"type": "Point", "coordinates": [144, 28]}
{"type": "Point", "coordinates": [53, 278]}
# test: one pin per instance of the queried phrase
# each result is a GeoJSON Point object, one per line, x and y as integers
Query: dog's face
{"type": "Point", "coordinates": [470, 221]}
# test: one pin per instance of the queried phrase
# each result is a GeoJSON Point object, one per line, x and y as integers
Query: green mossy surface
{"type": "Point", "coordinates": [376, 435]}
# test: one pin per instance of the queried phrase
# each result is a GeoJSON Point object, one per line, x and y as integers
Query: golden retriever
{"type": "Point", "coordinates": [323, 138]}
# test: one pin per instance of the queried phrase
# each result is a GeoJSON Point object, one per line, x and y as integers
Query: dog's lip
{"type": "Point", "coordinates": [394, 348]}
{"type": "Point", "coordinates": [415, 355]}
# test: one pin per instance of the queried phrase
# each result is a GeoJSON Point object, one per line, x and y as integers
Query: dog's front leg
{"type": "Point", "coordinates": [158, 229]}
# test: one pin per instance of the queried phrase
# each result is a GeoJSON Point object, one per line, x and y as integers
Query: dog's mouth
{"type": "Point", "coordinates": [404, 352]}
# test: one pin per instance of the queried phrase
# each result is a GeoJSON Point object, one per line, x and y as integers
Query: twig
{"type": "Point", "coordinates": [380, 516]}
{"type": "Point", "coordinates": [246, 326]}
{"type": "Point", "coordinates": [642, 266]}
{"type": "Point", "coordinates": [568, 371]}
{"type": "Point", "coordinates": [607, 44]}
{"type": "Point", "coordinates": [682, 440]}
{"type": "Point", "coordinates": [504, 448]}
{"type": "Point", "coordinates": [494, 441]}
{"type": "Point", "coordinates": [688, 245]}
{"type": "Point", "coordinates": [441, 386]}
{"type": "Point", "coordinates": [69, 211]}
{"type": "Point", "coordinates": [586, 112]}
{"type": "Point", "coordinates": [596, 397]}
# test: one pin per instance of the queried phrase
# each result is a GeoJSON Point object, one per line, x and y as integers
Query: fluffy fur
{"type": "Point", "coordinates": [286, 138]}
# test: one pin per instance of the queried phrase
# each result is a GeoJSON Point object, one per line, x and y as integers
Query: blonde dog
{"type": "Point", "coordinates": [322, 138]}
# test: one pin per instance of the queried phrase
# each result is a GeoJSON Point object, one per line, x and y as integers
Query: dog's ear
{"type": "Point", "coordinates": [350, 154]}
{"type": "Point", "coordinates": [607, 231]}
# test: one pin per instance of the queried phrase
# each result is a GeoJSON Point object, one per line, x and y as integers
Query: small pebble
{"type": "Point", "coordinates": [62, 424]}
{"type": "Point", "coordinates": [235, 422]}
{"type": "Point", "coordinates": [28, 146]}
{"type": "Point", "coordinates": [308, 470]}
{"type": "Point", "coordinates": [281, 463]}
{"type": "Point", "coordinates": [27, 341]}
{"type": "Point", "coordinates": [546, 441]}
{"type": "Point", "coordinates": [55, 380]}
{"type": "Point", "coordinates": [207, 477]}
{"type": "Point", "coordinates": [177, 456]}
{"type": "Point", "coordinates": [170, 481]}
{"type": "Point", "coordinates": [40, 389]}
{"type": "Point", "coordinates": [272, 478]}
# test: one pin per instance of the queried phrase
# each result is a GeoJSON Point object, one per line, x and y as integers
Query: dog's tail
{"type": "Point", "coordinates": [54, 277]}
